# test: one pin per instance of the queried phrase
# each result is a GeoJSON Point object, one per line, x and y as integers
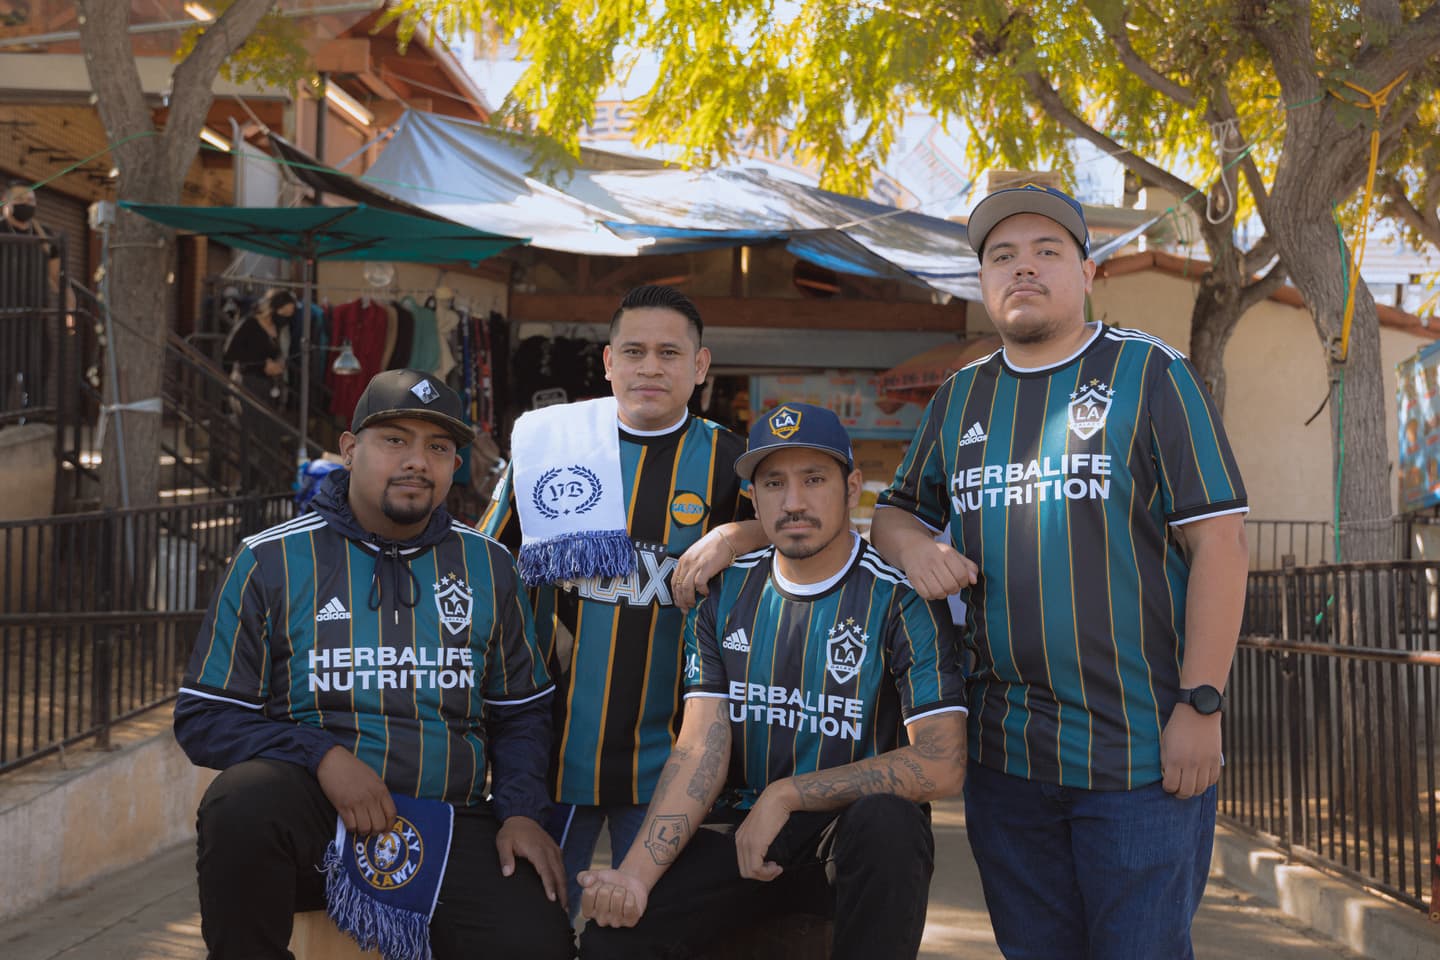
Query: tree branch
{"type": "Point", "coordinates": [193, 82]}
{"type": "Point", "coordinates": [1253, 293]}
{"type": "Point", "coordinates": [111, 66]}
{"type": "Point", "coordinates": [1414, 46]}
{"type": "Point", "coordinates": [1380, 11]}
{"type": "Point", "coordinates": [1223, 108]}
{"type": "Point", "coordinates": [1051, 103]}
{"type": "Point", "coordinates": [1424, 222]}
{"type": "Point", "coordinates": [1288, 40]}
{"type": "Point", "coordinates": [1257, 256]}
{"type": "Point", "coordinates": [1137, 64]}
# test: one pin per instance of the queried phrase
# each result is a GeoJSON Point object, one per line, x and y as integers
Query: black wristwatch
{"type": "Point", "coordinates": [1205, 699]}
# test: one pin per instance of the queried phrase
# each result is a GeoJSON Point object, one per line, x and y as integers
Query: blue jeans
{"type": "Point", "coordinates": [577, 830]}
{"type": "Point", "coordinates": [1088, 874]}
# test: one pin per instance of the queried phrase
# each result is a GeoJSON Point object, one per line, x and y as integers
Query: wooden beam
{"type": "Point", "coordinates": [343, 55]}
{"type": "Point", "coordinates": [756, 312]}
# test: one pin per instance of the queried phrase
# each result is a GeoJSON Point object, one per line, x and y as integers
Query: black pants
{"type": "Point", "coordinates": [263, 828]}
{"type": "Point", "coordinates": [871, 864]}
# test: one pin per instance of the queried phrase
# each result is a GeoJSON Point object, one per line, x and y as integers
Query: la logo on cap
{"type": "Point", "coordinates": [784, 422]}
{"type": "Point", "coordinates": [425, 391]}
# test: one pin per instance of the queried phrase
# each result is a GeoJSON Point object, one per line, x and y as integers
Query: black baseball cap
{"type": "Point", "coordinates": [410, 394]}
{"type": "Point", "coordinates": [796, 425]}
{"type": "Point", "coordinates": [1031, 198]}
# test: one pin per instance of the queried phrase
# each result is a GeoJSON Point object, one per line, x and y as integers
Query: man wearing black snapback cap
{"type": "Point", "coordinates": [1092, 520]}
{"type": "Point", "coordinates": [802, 663]}
{"type": "Point", "coordinates": [375, 647]}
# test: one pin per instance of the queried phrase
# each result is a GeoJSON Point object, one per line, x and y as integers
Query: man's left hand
{"type": "Point", "coordinates": [705, 559]}
{"type": "Point", "coordinates": [760, 828]}
{"type": "Point", "coordinates": [523, 837]}
{"type": "Point", "coordinates": [1190, 752]}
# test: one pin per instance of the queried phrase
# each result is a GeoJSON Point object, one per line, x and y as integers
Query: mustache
{"type": "Point", "coordinates": [410, 479]}
{"type": "Point", "coordinates": [804, 518]}
{"type": "Point", "coordinates": [1026, 285]}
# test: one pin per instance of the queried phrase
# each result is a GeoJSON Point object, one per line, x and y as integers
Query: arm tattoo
{"type": "Point", "coordinates": [666, 836]}
{"type": "Point", "coordinates": [702, 782]}
{"type": "Point", "coordinates": [678, 756]}
{"type": "Point", "coordinates": [900, 772]}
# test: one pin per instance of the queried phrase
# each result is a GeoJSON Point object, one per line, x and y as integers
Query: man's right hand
{"type": "Point", "coordinates": [936, 570]}
{"type": "Point", "coordinates": [356, 792]}
{"type": "Point", "coordinates": [612, 898]}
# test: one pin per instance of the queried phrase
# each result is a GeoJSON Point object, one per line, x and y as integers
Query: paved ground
{"type": "Point", "coordinates": [149, 912]}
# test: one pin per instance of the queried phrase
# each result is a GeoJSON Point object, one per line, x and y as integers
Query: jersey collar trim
{"type": "Point", "coordinates": [812, 590]}
{"type": "Point", "coordinates": [1049, 367]}
{"type": "Point", "coordinates": [631, 431]}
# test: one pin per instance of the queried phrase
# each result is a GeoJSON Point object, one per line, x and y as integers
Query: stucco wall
{"type": "Point", "coordinates": [1276, 380]}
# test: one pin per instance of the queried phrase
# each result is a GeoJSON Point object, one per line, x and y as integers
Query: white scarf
{"type": "Point", "coordinates": [570, 494]}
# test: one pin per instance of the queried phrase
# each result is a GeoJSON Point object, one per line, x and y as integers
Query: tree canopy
{"type": "Point", "coordinates": [1235, 106]}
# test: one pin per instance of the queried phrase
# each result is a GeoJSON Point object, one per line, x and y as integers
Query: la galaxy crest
{"type": "Point", "coordinates": [845, 650]}
{"type": "Point", "coordinates": [562, 491]}
{"type": "Point", "coordinates": [1089, 406]}
{"type": "Point", "coordinates": [455, 601]}
{"type": "Point", "coordinates": [784, 422]}
{"type": "Point", "coordinates": [389, 860]}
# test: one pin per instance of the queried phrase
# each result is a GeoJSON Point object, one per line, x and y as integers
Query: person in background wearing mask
{"type": "Point", "coordinates": [29, 289]}
{"type": "Point", "coordinates": [256, 361]}
{"type": "Point", "coordinates": [19, 220]}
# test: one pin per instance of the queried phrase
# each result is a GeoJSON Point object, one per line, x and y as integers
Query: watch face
{"type": "Point", "coordinates": [1205, 700]}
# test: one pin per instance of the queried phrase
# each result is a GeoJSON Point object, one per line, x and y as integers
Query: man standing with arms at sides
{"type": "Point", "coordinates": [802, 664]}
{"type": "Point", "coordinates": [1095, 529]}
{"type": "Point", "coordinates": [375, 647]}
{"type": "Point", "coordinates": [626, 506]}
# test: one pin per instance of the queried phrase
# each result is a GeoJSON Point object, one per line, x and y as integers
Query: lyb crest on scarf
{"type": "Point", "coordinates": [569, 493]}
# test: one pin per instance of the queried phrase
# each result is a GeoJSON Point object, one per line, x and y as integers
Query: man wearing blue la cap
{"type": "Point", "coordinates": [1093, 514]}
{"type": "Point", "coordinates": [801, 665]}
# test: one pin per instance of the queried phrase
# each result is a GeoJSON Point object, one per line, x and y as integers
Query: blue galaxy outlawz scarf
{"type": "Point", "coordinates": [382, 889]}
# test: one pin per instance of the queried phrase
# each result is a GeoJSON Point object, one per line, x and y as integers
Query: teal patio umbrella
{"type": "Point", "coordinates": [356, 232]}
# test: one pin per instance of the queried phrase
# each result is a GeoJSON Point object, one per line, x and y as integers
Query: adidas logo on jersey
{"type": "Point", "coordinates": [334, 610]}
{"type": "Point", "coordinates": [739, 641]}
{"type": "Point", "coordinates": [974, 435]}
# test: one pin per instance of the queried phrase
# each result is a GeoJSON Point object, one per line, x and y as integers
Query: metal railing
{"type": "Point", "coordinates": [100, 611]}
{"type": "Point", "coordinates": [1332, 745]}
{"type": "Point", "coordinates": [1274, 543]}
{"type": "Point", "coordinates": [219, 437]}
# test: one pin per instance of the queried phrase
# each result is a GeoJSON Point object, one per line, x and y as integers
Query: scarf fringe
{"type": "Point", "coordinates": [586, 553]}
{"type": "Point", "coordinates": [397, 934]}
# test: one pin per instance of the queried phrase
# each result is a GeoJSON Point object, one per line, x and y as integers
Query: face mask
{"type": "Point", "coordinates": [22, 211]}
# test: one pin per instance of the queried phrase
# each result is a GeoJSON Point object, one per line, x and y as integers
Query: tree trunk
{"type": "Point", "coordinates": [152, 165]}
{"type": "Point", "coordinates": [1357, 385]}
{"type": "Point", "coordinates": [1213, 319]}
{"type": "Point", "coordinates": [140, 256]}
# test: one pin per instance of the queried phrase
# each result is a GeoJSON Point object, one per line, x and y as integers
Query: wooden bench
{"type": "Point", "coordinates": [315, 937]}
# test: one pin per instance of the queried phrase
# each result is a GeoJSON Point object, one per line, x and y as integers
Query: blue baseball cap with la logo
{"type": "Point", "coordinates": [795, 425]}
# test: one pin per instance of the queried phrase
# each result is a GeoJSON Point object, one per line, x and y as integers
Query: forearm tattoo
{"type": "Point", "coordinates": [671, 770]}
{"type": "Point", "coordinates": [900, 772]}
{"type": "Point", "coordinates": [712, 762]}
{"type": "Point", "coordinates": [666, 836]}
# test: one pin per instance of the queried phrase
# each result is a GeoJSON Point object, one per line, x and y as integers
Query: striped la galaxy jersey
{"type": "Point", "coordinates": [292, 634]}
{"type": "Point", "coordinates": [620, 711]}
{"type": "Point", "coordinates": [1060, 483]}
{"type": "Point", "coordinates": [818, 675]}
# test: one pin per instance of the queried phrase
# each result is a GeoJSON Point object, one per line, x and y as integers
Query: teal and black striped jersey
{"type": "Point", "coordinates": [818, 675]}
{"type": "Point", "coordinates": [292, 635]}
{"type": "Point", "coordinates": [1061, 483]}
{"type": "Point", "coordinates": [620, 711]}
